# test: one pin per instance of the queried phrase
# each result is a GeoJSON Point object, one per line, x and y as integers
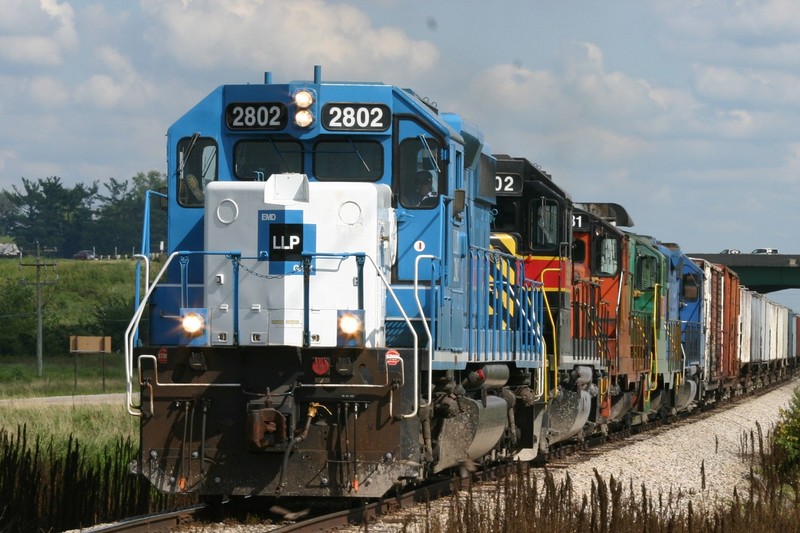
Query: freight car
{"type": "Point", "coordinates": [357, 295]}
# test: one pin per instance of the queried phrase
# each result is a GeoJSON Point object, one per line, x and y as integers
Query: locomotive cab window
{"type": "Point", "coordinates": [197, 166]}
{"type": "Point", "coordinates": [544, 229]}
{"type": "Point", "coordinates": [646, 273]}
{"type": "Point", "coordinates": [420, 170]}
{"type": "Point", "coordinates": [506, 216]}
{"type": "Point", "coordinates": [606, 261]}
{"type": "Point", "coordinates": [578, 251]}
{"type": "Point", "coordinates": [691, 288]}
{"type": "Point", "coordinates": [257, 160]}
{"type": "Point", "coordinates": [348, 160]}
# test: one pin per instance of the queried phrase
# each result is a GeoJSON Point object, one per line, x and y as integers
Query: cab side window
{"type": "Point", "coordinates": [646, 273]}
{"type": "Point", "coordinates": [421, 176]}
{"type": "Point", "coordinates": [691, 288]}
{"type": "Point", "coordinates": [197, 166]}
{"type": "Point", "coordinates": [607, 256]}
{"type": "Point", "coordinates": [543, 231]}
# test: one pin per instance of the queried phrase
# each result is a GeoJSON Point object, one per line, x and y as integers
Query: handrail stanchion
{"type": "Point", "coordinates": [425, 322]}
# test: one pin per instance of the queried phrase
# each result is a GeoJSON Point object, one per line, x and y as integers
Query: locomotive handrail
{"type": "Point", "coordinates": [146, 259]}
{"type": "Point", "coordinates": [160, 384]}
{"type": "Point", "coordinates": [424, 323]}
{"type": "Point", "coordinates": [555, 335]}
{"type": "Point", "coordinates": [515, 291]}
{"type": "Point", "coordinates": [136, 411]}
{"type": "Point", "coordinates": [540, 386]}
{"type": "Point", "coordinates": [134, 324]}
{"type": "Point", "coordinates": [146, 230]}
{"type": "Point", "coordinates": [408, 323]}
{"type": "Point", "coordinates": [656, 311]}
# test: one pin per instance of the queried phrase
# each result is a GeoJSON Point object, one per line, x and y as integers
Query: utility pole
{"type": "Point", "coordinates": [39, 266]}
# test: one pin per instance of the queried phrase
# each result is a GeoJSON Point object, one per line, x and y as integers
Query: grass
{"type": "Point", "coordinates": [61, 375]}
{"type": "Point", "coordinates": [67, 465]}
{"type": "Point", "coordinates": [94, 426]}
{"type": "Point", "coordinates": [93, 298]}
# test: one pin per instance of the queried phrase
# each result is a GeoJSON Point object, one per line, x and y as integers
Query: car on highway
{"type": "Point", "coordinates": [730, 251]}
{"type": "Point", "coordinates": [765, 251]}
{"type": "Point", "coordinates": [84, 255]}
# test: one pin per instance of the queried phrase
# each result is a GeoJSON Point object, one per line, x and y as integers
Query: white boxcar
{"type": "Point", "coordinates": [745, 325]}
{"type": "Point", "coordinates": [778, 334]}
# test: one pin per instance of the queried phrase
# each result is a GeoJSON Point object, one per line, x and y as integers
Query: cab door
{"type": "Point", "coordinates": [420, 185]}
{"type": "Point", "coordinates": [420, 212]}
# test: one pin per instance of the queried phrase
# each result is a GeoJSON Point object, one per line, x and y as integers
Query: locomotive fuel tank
{"type": "Point", "coordinates": [471, 433]}
{"type": "Point", "coordinates": [569, 411]}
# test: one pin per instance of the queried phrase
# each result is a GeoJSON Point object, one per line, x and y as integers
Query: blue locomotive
{"type": "Point", "coordinates": [330, 319]}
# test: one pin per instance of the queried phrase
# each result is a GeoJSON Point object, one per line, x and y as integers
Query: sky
{"type": "Point", "coordinates": [686, 112]}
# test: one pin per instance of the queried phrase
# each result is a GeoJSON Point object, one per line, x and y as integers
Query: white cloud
{"type": "Point", "coordinates": [764, 19]}
{"type": "Point", "coordinates": [209, 34]}
{"type": "Point", "coordinates": [755, 31]}
{"type": "Point", "coordinates": [63, 13]}
{"type": "Point", "coordinates": [120, 87]}
{"type": "Point", "coordinates": [34, 50]}
{"type": "Point", "coordinates": [48, 91]}
{"type": "Point", "coordinates": [758, 87]}
{"type": "Point", "coordinates": [36, 35]}
{"type": "Point", "coordinates": [606, 114]}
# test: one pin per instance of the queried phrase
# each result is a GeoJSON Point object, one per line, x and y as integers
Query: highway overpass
{"type": "Point", "coordinates": [760, 273]}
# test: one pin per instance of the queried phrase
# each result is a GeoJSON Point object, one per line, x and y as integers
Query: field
{"type": "Point", "coordinates": [94, 426]}
{"type": "Point", "coordinates": [92, 298]}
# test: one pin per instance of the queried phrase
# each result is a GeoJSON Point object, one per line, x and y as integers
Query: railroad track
{"type": "Point", "coordinates": [173, 521]}
{"type": "Point", "coordinates": [162, 522]}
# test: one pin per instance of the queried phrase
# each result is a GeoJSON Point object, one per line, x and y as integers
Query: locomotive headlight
{"type": "Point", "coordinates": [350, 328]}
{"type": "Point", "coordinates": [303, 99]}
{"type": "Point", "coordinates": [193, 324]}
{"type": "Point", "coordinates": [303, 118]}
{"type": "Point", "coordinates": [349, 324]}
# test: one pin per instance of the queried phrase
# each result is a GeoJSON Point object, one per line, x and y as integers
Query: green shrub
{"type": "Point", "coordinates": [92, 298]}
{"type": "Point", "coordinates": [787, 433]}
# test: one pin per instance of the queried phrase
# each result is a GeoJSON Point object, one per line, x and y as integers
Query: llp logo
{"type": "Point", "coordinates": [284, 238]}
{"type": "Point", "coordinates": [285, 242]}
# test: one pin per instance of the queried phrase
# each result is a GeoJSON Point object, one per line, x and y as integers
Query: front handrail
{"type": "Point", "coordinates": [134, 324]}
{"type": "Point", "coordinates": [137, 317]}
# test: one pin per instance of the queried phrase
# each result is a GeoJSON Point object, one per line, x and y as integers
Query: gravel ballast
{"type": "Point", "coordinates": [700, 461]}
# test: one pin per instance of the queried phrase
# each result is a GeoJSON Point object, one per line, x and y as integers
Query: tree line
{"type": "Point", "coordinates": [46, 217]}
{"type": "Point", "coordinates": [45, 214]}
